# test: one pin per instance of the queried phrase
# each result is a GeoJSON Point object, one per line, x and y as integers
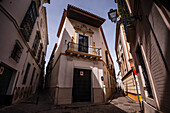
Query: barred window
{"type": "Point", "coordinates": [36, 43]}
{"type": "Point", "coordinates": [17, 51]}
{"type": "Point", "coordinates": [28, 21]}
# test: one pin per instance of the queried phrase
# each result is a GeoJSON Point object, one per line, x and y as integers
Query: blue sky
{"type": "Point", "coordinates": [97, 7]}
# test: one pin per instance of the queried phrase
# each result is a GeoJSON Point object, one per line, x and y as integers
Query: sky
{"type": "Point", "coordinates": [98, 7]}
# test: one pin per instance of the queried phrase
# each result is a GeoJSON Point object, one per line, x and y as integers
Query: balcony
{"type": "Point", "coordinates": [78, 50]}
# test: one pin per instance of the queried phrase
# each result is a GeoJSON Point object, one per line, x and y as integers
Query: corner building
{"type": "Point", "coordinates": [80, 68]}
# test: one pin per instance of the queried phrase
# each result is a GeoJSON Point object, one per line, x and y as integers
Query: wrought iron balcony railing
{"type": "Point", "coordinates": [85, 49]}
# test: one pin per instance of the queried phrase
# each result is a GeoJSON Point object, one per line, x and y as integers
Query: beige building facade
{"type": "Point", "coordinates": [80, 68]}
{"type": "Point", "coordinates": [126, 65]}
{"type": "Point", "coordinates": [23, 45]}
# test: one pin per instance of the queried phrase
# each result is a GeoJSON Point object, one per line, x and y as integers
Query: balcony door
{"type": "Point", "coordinates": [83, 44]}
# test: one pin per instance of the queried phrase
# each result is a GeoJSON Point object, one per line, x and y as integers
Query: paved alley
{"type": "Point", "coordinates": [119, 104]}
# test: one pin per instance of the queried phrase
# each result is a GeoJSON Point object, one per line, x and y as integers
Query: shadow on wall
{"type": "Point", "coordinates": [160, 71]}
{"type": "Point", "coordinates": [103, 88]}
{"type": "Point", "coordinates": [154, 36]}
{"type": "Point", "coordinates": [51, 79]}
{"type": "Point", "coordinates": [159, 56]}
{"type": "Point", "coordinates": [166, 92]}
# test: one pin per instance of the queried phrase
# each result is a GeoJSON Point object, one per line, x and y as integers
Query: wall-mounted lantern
{"type": "Point", "coordinates": [112, 14]}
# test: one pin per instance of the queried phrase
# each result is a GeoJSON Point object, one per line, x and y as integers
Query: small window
{"type": "Point", "coordinates": [26, 73]}
{"type": "Point", "coordinates": [36, 43]}
{"type": "Point", "coordinates": [107, 61]}
{"type": "Point", "coordinates": [17, 51]}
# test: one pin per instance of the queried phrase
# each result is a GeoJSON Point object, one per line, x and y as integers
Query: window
{"type": "Point", "coordinates": [39, 52]}
{"type": "Point", "coordinates": [33, 73]}
{"type": "Point", "coordinates": [124, 63]}
{"type": "Point", "coordinates": [16, 53]}
{"type": "Point", "coordinates": [28, 21]}
{"type": "Point", "coordinates": [26, 73]}
{"type": "Point", "coordinates": [83, 44]}
{"type": "Point", "coordinates": [144, 72]}
{"type": "Point", "coordinates": [36, 43]}
{"type": "Point", "coordinates": [107, 61]}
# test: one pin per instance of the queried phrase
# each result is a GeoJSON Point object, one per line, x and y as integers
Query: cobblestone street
{"type": "Point", "coordinates": [119, 104]}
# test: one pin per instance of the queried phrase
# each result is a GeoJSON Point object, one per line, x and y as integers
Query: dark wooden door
{"type": "Point", "coordinates": [5, 77]}
{"type": "Point", "coordinates": [82, 85]}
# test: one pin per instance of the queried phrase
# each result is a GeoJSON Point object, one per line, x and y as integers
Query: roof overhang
{"type": "Point", "coordinates": [84, 16]}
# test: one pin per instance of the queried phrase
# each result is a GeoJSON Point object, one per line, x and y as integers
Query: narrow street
{"type": "Point", "coordinates": [119, 104]}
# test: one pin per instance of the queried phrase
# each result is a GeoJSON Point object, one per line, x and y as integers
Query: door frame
{"type": "Point", "coordinates": [11, 84]}
{"type": "Point", "coordinates": [91, 74]}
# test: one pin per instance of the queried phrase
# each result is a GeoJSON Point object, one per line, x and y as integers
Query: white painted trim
{"type": "Point", "coordinates": [130, 10]}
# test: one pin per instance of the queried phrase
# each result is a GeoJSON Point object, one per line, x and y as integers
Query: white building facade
{"type": "Point", "coordinates": [80, 68]}
{"type": "Point", "coordinates": [23, 44]}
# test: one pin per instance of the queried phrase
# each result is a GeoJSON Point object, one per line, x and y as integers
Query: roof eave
{"type": "Point", "coordinates": [84, 16]}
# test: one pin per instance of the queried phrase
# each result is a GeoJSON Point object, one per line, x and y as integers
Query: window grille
{"type": "Point", "coordinates": [28, 21]}
{"type": "Point", "coordinates": [17, 51]}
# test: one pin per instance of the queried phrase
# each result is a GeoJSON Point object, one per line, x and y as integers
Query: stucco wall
{"type": "Point", "coordinates": [10, 32]}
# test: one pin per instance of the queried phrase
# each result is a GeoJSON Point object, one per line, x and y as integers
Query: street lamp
{"type": "Point", "coordinates": [112, 14]}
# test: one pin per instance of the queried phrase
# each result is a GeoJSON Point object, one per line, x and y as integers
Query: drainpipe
{"type": "Point", "coordinates": [134, 74]}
